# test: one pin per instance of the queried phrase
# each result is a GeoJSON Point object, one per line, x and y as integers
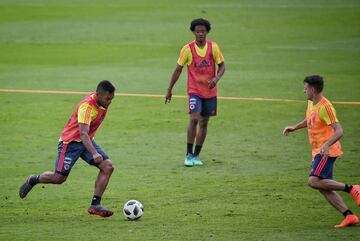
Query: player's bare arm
{"type": "Point", "coordinates": [221, 70]}
{"type": "Point", "coordinates": [298, 126]}
{"type": "Point", "coordinates": [175, 76]}
{"type": "Point", "coordinates": [338, 133]}
{"type": "Point", "coordinates": [84, 136]}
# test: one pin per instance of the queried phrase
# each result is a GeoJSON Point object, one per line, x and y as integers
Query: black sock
{"type": "Point", "coordinates": [96, 200]}
{"type": "Point", "coordinates": [190, 148]}
{"type": "Point", "coordinates": [347, 212]}
{"type": "Point", "coordinates": [197, 150]}
{"type": "Point", "coordinates": [34, 180]}
{"type": "Point", "coordinates": [347, 188]}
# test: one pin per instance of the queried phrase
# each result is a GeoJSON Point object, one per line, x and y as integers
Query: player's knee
{"type": "Point", "coordinates": [194, 121]}
{"type": "Point", "coordinates": [325, 192]}
{"type": "Point", "coordinates": [312, 182]}
{"type": "Point", "coordinates": [111, 168]}
{"type": "Point", "coordinates": [203, 123]}
{"type": "Point", "coordinates": [58, 179]}
{"type": "Point", "coordinates": [107, 167]}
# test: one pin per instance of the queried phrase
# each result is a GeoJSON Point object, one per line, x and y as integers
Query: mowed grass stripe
{"type": "Point", "coordinates": [162, 96]}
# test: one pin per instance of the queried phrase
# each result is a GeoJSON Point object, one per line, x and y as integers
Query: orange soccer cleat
{"type": "Point", "coordinates": [355, 193]}
{"type": "Point", "coordinates": [350, 220]}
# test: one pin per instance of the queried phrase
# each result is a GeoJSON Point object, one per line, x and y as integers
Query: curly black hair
{"type": "Point", "coordinates": [200, 21]}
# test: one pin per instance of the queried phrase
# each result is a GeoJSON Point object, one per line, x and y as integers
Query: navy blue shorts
{"type": "Point", "coordinates": [69, 153]}
{"type": "Point", "coordinates": [322, 167]}
{"type": "Point", "coordinates": [206, 107]}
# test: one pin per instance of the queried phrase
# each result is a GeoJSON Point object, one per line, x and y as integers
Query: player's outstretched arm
{"type": "Point", "coordinates": [175, 76]}
{"type": "Point", "coordinates": [298, 126]}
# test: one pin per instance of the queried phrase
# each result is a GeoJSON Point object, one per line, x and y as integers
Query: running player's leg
{"type": "Point", "coordinates": [323, 168]}
{"type": "Point", "coordinates": [321, 178]}
{"type": "Point", "coordinates": [326, 184]}
{"type": "Point", "coordinates": [66, 158]}
{"type": "Point", "coordinates": [52, 178]}
{"type": "Point", "coordinates": [321, 175]}
{"type": "Point", "coordinates": [102, 180]}
{"type": "Point", "coordinates": [105, 170]}
{"type": "Point", "coordinates": [335, 200]}
{"type": "Point", "coordinates": [101, 183]}
{"type": "Point", "coordinates": [45, 177]}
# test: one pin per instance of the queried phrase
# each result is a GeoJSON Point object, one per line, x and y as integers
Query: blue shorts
{"type": "Point", "coordinates": [322, 167]}
{"type": "Point", "coordinates": [206, 107]}
{"type": "Point", "coordinates": [69, 153]}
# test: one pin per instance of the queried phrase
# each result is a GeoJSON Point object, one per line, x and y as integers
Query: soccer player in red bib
{"type": "Point", "coordinates": [77, 140]}
{"type": "Point", "coordinates": [324, 131]}
{"type": "Point", "coordinates": [201, 57]}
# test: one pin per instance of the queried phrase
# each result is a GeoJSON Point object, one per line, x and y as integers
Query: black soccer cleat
{"type": "Point", "coordinates": [100, 211]}
{"type": "Point", "coordinates": [26, 187]}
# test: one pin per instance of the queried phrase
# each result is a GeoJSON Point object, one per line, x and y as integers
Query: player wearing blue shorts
{"type": "Point", "coordinates": [325, 131]}
{"type": "Point", "coordinates": [205, 64]}
{"type": "Point", "coordinates": [77, 140]}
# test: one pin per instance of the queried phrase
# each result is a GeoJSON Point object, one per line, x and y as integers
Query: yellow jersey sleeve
{"type": "Point", "coordinates": [218, 57]}
{"type": "Point", "coordinates": [86, 113]}
{"type": "Point", "coordinates": [185, 56]}
{"type": "Point", "coordinates": [327, 113]}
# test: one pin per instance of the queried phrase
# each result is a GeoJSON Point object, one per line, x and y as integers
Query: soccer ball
{"type": "Point", "coordinates": [133, 209]}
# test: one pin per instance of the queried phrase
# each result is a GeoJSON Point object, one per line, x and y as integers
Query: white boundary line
{"type": "Point", "coordinates": [162, 96]}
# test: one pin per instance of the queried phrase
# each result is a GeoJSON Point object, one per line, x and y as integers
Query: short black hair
{"type": "Point", "coordinates": [200, 21]}
{"type": "Point", "coordinates": [315, 81]}
{"type": "Point", "coordinates": [105, 86]}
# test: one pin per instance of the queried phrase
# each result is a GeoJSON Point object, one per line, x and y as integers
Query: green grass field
{"type": "Point", "coordinates": [253, 185]}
